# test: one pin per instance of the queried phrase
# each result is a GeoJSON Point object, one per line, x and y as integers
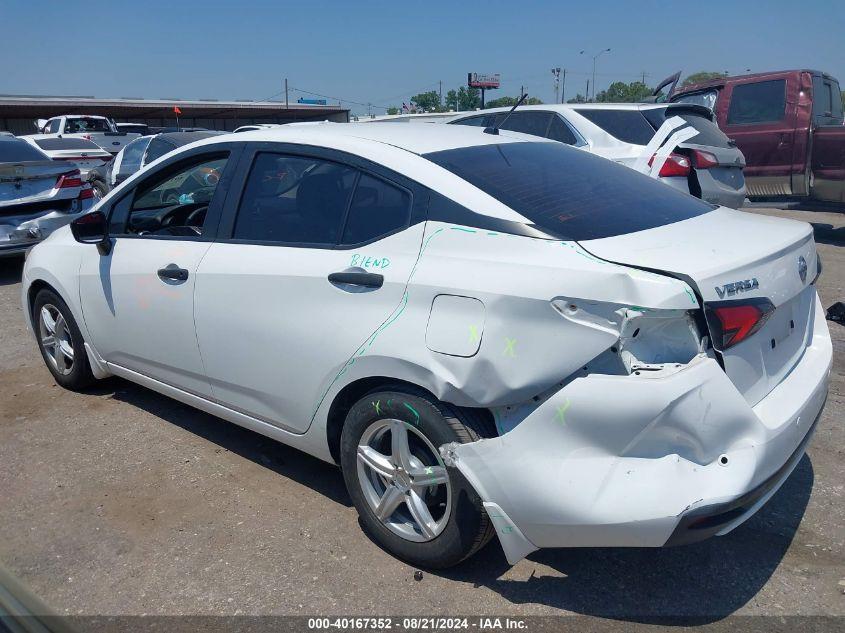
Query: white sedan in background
{"type": "Point", "coordinates": [79, 152]}
{"type": "Point", "coordinates": [701, 160]}
{"type": "Point", "coordinates": [489, 333]}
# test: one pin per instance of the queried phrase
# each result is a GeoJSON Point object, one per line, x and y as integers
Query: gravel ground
{"type": "Point", "coordinates": [121, 501]}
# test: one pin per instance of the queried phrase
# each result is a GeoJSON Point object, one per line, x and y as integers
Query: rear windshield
{"type": "Point", "coordinates": [708, 132]}
{"type": "Point", "coordinates": [626, 125]}
{"type": "Point", "coordinates": [66, 143]}
{"type": "Point", "coordinates": [567, 193]}
{"type": "Point", "coordinates": [14, 150]}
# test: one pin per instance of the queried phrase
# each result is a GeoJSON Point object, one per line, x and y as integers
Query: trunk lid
{"type": "Point", "coordinates": [30, 181]}
{"type": "Point", "coordinates": [728, 255]}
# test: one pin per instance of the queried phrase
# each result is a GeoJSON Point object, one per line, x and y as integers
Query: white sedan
{"type": "Point", "coordinates": [490, 333]}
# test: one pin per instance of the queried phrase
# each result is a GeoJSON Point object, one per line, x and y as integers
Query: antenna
{"type": "Point", "coordinates": [494, 129]}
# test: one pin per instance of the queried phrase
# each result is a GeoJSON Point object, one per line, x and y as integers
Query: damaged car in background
{"type": "Point", "coordinates": [37, 195]}
{"type": "Point", "coordinates": [490, 333]}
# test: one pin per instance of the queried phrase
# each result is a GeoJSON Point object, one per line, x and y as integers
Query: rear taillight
{"type": "Point", "coordinates": [87, 193]}
{"type": "Point", "coordinates": [732, 322]}
{"type": "Point", "coordinates": [69, 179]}
{"type": "Point", "coordinates": [675, 165]}
{"type": "Point", "coordinates": [704, 160]}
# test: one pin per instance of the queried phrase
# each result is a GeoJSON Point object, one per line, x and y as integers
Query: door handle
{"type": "Point", "coordinates": [173, 272]}
{"type": "Point", "coordinates": [354, 278]}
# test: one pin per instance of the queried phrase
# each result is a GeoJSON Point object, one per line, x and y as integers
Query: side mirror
{"type": "Point", "coordinates": [92, 228]}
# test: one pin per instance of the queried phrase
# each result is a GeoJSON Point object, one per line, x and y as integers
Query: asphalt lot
{"type": "Point", "coordinates": [120, 501]}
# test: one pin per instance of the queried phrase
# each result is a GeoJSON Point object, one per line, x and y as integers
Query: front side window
{"type": "Point", "coordinates": [176, 202]}
{"type": "Point", "coordinates": [53, 126]}
{"type": "Point", "coordinates": [294, 200]}
{"type": "Point", "coordinates": [567, 193]}
{"type": "Point", "coordinates": [758, 102]}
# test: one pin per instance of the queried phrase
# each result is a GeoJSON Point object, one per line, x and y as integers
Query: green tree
{"type": "Point", "coordinates": [703, 75]}
{"type": "Point", "coordinates": [503, 102]}
{"type": "Point", "coordinates": [578, 98]}
{"type": "Point", "coordinates": [393, 110]}
{"type": "Point", "coordinates": [620, 92]}
{"type": "Point", "coordinates": [463, 99]}
{"type": "Point", "coordinates": [428, 101]}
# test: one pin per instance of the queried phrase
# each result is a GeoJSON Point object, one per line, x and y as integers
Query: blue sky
{"type": "Point", "coordinates": [383, 52]}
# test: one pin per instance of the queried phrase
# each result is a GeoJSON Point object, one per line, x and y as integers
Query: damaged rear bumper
{"type": "Point", "coordinates": [645, 460]}
{"type": "Point", "coordinates": [19, 233]}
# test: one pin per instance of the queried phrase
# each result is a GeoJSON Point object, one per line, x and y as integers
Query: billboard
{"type": "Point", "coordinates": [480, 80]}
{"type": "Point", "coordinates": [304, 101]}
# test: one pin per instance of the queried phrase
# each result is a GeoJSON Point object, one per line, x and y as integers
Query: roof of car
{"type": "Point", "coordinates": [567, 107]}
{"type": "Point", "coordinates": [183, 138]}
{"type": "Point", "coordinates": [418, 138]}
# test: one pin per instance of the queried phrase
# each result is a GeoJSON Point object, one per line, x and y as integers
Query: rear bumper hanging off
{"type": "Point", "coordinates": [645, 461]}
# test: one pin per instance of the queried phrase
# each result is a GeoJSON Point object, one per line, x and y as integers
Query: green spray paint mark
{"type": "Point", "coordinates": [561, 411]}
{"type": "Point", "coordinates": [473, 333]}
{"type": "Point", "coordinates": [377, 407]}
{"type": "Point", "coordinates": [492, 233]}
{"type": "Point", "coordinates": [465, 230]}
{"type": "Point", "coordinates": [388, 403]}
{"type": "Point", "coordinates": [509, 347]}
{"type": "Point", "coordinates": [690, 295]}
{"type": "Point", "coordinates": [414, 411]}
{"type": "Point", "coordinates": [507, 529]}
{"type": "Point", "coordinates": [429, 470]}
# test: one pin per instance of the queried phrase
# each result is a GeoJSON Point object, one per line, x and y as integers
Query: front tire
{"type": "Point", "coordinates": [408, 501]}
{"type": "Point", "coordinates": [60, 341]}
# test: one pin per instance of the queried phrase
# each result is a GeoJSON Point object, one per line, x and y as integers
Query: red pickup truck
{"type": "Point", "coordinates": [789, 126]}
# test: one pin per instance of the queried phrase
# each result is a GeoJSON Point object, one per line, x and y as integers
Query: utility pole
{"type": "Point", "coordinates": [563, 88]}
{"type": "Point", "coordinates": [286, 93]}
{"type": "Point", "coordinates": [440, 96]}
{"type": "Point", "coordinates": [587, 95]}
{"type": "Point", "coordinates": [556, 75]}
{"type": "Point", "coordinates": [521, 91]}
{"type": "Point", "coordinates": [595, 57]}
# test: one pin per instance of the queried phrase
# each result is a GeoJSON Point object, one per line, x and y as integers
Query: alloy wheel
{"type": "Point", "coordinates": [403, 480]}
{"type": "Point", "coordinates": [55, 337]}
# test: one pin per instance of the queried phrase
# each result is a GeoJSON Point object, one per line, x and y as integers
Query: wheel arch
{"type": "Point", "coordinates": [355, 390]}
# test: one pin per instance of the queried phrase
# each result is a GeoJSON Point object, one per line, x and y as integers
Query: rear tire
{"type": "Point", "coordinates": [60, 341]}
{"type": "Point", "coordinates": [415, 508]}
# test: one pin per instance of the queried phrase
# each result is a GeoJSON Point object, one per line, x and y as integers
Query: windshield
{"type": "Point", "coordinates": [87, 124]}
{"type": "Point", "coordinates": [706, 98]}
{"type": "Point", "coordinates": [14, 150]}
{"type": "Point", "coordinates": [567, 193]}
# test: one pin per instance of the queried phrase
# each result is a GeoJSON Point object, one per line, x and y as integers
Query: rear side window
{"type": "Point", "coordinates": [378, 208]}
{"type": "Point", "coordinates": [294, 200]}
{"type": "Point", "coordinates": [708, 132]}
{"type": "Point", "coordinates": [758, 102]}
{"type": "Point", "coordinates": [158, 147]}
{"type": "Point", "coordinates": [567, 193]}
{"type": "Point", "coordinates": [476, 121]}
{"type": "Point", "coordinates": [534, 123]}
{"type": "Point", "coordinates": [627, 125]}
{"type": "Point", "coordinates": [14, 150]}
{"type": "Point", "coordinates": [132, 155]}
{"type": "Point", "coordinates": [559, 131]}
